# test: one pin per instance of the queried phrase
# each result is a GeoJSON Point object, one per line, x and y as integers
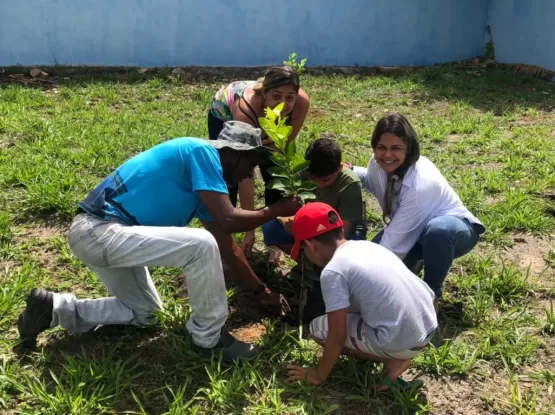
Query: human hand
{"type": "Point", "coordinates": [287, 206]}
{"type": "Point", "coordinates": [277, 302]}
{"type": "Point", "coordinates": [287, 223]}
{"type": "Point", "coordinates": [296, 373]}
{"type": "Point", "coordinates": [247, 244]}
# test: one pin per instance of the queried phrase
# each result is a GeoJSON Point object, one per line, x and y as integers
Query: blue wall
{"type": "Point", "coordinates": [240, 32]}
{"type": "Point", "coordinates": [523, 31]}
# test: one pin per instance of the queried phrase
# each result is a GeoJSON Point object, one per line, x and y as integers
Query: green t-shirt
{"type": "Point", "coordinates": [345, 196]}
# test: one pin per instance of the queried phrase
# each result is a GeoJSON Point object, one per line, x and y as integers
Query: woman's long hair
{"type": "Point", "coordinates": [399, 125]}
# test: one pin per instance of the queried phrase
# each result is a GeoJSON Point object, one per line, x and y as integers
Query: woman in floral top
{"type": "Point", "coordinates": [246, 101]}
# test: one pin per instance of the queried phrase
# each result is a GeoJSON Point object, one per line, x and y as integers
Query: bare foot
{"type": "Point", "coordinates": [394, 369]}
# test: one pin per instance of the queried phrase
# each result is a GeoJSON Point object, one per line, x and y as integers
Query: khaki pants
{"type": "Point", "coordinates": [119, 255]}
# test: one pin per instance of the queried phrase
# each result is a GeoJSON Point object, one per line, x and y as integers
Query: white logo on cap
{"type": "Point", "coordinates": [320, 228]}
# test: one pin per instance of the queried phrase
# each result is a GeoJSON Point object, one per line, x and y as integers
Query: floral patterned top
{"type": "Point", "coordinates": [221, 104]}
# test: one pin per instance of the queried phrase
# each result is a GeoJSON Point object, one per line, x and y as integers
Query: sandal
{"type": "Point", "coordinates": [402, 385]}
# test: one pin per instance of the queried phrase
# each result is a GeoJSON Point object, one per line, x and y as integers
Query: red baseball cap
{"type": "Point", "coordinates": [312, 220]}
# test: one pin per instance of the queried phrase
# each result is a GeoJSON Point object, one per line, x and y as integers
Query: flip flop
{"type": "Point", "coordinates": [413, 385]}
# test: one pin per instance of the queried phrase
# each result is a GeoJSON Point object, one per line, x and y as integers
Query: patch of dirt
{"type": "Point", "coordinates": [6, 268]}
{"type": "Point", "coordinates": [453, 138]}
{"type": "Point", "coordinates": [316, 113]}
{"type": "Point", "coordinates": [529, 252]}
{"type": "Point", "coordinates": [5, 143]}
{"type": "Point", "coordinates": [492, 199]}
{"type": "Point", "coordinates": [245, 309]}
{"type": "Point", "coordinates": [59, 75]}
{"type": "Point", "coordinates": [40, 232]}
{"type": "Point", "coordinates": [521, 123]}
{"type": "Point", "coordinates": [453, 396]}
{"type": "Point", "coordinates": [249, 333]}
{"type": "Point", "coordinates": [492, 166]}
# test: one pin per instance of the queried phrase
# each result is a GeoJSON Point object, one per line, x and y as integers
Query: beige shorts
{"type": "Point", "coordinates": [357, 339]}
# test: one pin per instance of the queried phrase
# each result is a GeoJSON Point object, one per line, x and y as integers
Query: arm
{"type": "Point", "coordinates": [337, 334]}
{"type": "Point", "coordinates": [365, 174]}
{"type": "Point", "coordinates": [350, 206]}
{"type": "Point", "coordinates": [347, 227]}
{"type": "Point", "coordinates": [236, 260]}
{"type": "Point", "coordinates": [332, 349]}
{"type": "Point", "coordinates": [246, 198]}
{"type": "Point", "coordinates": [246, 194]}
{"type": "Point", "coordinates": [231, 220]}
{"type": "Point", "coordinates": [233, 256]}
{"type": "Point", "coordinates": [299, 113]}
{"type": "Point", "coordinates": [287, 223]}
{"type": "Point", "coordinates": [203, 165]}
{"type": "Point", "coordinates": [362, 174]}
{"type": "Point", "coordinates": [335, 290]}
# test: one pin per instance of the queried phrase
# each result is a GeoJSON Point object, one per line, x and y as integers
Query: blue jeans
{"type": "Point", "coordinates": [444, 239]}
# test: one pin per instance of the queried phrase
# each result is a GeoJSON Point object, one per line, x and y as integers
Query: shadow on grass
{"type": "Point", "coordinates": [485, 87]}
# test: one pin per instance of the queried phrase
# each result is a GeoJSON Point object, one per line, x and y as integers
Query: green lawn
{"type": "Point", "coordinates": [491, 132]}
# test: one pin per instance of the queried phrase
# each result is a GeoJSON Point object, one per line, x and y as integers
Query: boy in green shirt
{"type": "Point", "coordinates": [338, 187]}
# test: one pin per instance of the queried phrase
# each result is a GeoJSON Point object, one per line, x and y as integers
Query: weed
{"type": "Point", "coordinates": [85, 385]}
{"type": "Point", "coordinates": [452, 357]}
{"type": "Point", "coordinates": [550, 256]}
{"type": "Point", "coordinates": [549, 327]}
{"type": "Point", "coordinates": [520, 401]}
{"type": "Point", "coordinates": [14, 292]}
{"type": "Point", "coordinates": [508, 338]}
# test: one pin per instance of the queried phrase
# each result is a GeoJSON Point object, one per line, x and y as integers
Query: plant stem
{"type": "Point", "coordinates": [302, 299]}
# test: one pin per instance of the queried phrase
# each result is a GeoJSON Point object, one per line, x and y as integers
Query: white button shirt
{"type": "Point", "coordinates": [422, 195]}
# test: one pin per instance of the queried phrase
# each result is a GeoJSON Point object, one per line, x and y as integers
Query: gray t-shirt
{"type": "Point", "coordinates": [395, 304]}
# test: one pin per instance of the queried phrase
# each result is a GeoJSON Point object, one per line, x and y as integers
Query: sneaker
{"type": "Point", "coordinates": [36, 318]}
{"type": "Point", "coordinates": [232, 349]}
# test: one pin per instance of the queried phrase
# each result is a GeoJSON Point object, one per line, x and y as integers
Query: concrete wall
{"type": "Point", "coordinates": [523, 31]}
{"type": "Point", "coordinates": [240, 32]}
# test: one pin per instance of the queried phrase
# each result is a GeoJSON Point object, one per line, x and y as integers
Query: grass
{"type": "Point", "coordinates": [491, 132]}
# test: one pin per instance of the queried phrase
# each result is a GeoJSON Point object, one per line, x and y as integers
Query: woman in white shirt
{"type": "Point", "coordinates": [425, 219]}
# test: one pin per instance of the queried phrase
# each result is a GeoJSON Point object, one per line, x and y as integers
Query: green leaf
{"type": "Point", "coordinates": [291, 149]}
{"type": "Point", "coordinates": [307, 185]}
{"type": "Point", "coordinates": [270, 115]}
{"type": "Point", "coordinates": [278, 108]}
{"type": "Point", "coordinates": [304, 196]}
{"type": "Point", "coordinates": [278, 184]}
{"type": "Point", "coordinates": [278, 171]}
{"type": "Point", "coordinates": [279, 159]}
{"type": "Point", "coordinates": [298, 165]}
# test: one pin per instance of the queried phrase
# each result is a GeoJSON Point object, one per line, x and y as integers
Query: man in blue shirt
{"type": "Point", "coordinates": [138, 216]}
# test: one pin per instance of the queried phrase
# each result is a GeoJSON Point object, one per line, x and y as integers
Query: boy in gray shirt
{"type": "Point", "coordinates": [376, 308]}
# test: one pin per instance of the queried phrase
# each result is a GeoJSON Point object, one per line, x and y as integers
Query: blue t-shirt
{"type": "Point", "coordinates": [159, 186]}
